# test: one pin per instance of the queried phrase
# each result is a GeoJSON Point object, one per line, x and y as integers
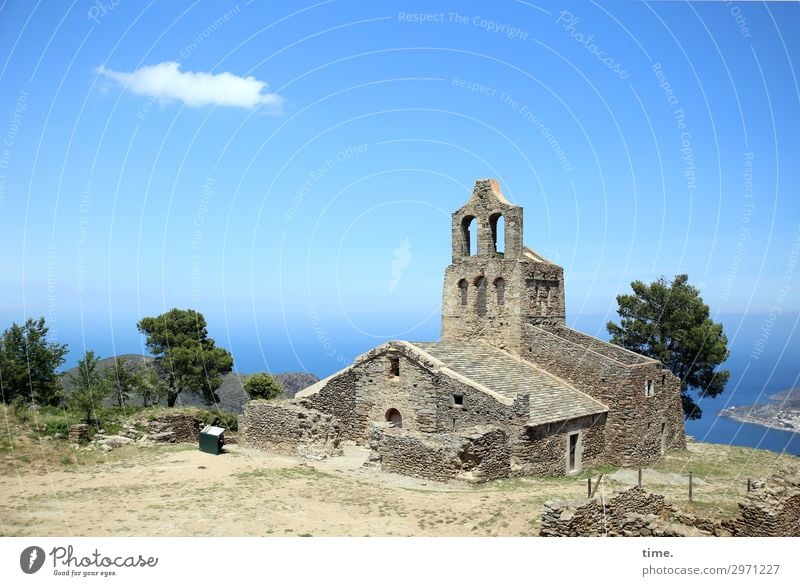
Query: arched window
{"type": "Point", "coordinates": [469, 236]}
{"type": "Point", "coordinates": [480, 302]}
{"type": "Point", "coordinates": [393, 416]}
{"type": "Point", "coordinates": [498, 227]}
{"type": "Point", "coordinates": [462, 287]}
{"type": "Point", "coordinates": [500, 290]}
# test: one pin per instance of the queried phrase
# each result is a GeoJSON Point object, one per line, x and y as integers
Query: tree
{"type": "Point", "coordinates": [670, 322]}
{"type": "Point", "coordinates": [29, 364]}
{"type": "Point", "coordinates": [263, 386]}
{"type": "Point", "coordinates": [186, 358]}
{"type": "Point", "coordinates": [122, 381]}
{"type": "Point", "coordinates": [150, 387]}
{"type": "Point", "coordinates": [90, 388]}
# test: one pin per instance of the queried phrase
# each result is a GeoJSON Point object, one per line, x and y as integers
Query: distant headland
{"type": "Point", "coordinates": [782, 412]}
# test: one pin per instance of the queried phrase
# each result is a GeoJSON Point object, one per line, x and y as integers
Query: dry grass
{"type": "Point", "coordinates": [49, 488]}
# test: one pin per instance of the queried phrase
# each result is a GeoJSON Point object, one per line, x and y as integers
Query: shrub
{"type": "Point", "coordinates": [223, 419]}
{"type": "Point", "coordinates": [263, 386]}
{"type": "Point", "coordinates": [20, 409]}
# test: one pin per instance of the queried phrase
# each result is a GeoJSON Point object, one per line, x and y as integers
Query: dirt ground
{"type": "Point", "coordinates": [180, 491]}
{"type": "Point", "coordinates": [176, 490]}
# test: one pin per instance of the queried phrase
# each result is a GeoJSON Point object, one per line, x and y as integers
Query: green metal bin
{"type": "Point", "coordinates": [212, 439]}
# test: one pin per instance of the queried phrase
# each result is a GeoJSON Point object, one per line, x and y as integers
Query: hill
{"type": "Point", "coordinates": [231, 393]}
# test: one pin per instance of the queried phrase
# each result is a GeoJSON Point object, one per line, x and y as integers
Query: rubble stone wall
{"type": "Point", "coordinates": [636, 422]}
{"type": "Point", "coordinates": [474, 455]}
{"type": "Point", "coordinates": [180, 427]}
{"type": "Point", "coordinates": [634, 512]}
{"type": "Point", "coordinates": [771, 510]}
{"type": "Point", "coordinates": [290, 428]}
{"type": "Point", "coordinates": [367, 392]}
{"type": "Point", "coordinates": [338, 398]}
{"type": "Point", "coordinates": [544, 449]}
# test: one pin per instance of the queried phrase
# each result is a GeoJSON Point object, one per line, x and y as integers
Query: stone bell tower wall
{"type": "Point", "coordinates": [489, 294]}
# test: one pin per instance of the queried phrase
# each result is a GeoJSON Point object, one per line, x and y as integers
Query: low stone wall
{"type": "Point", "coordinates": [634, 512]}
{"type": "Point", "coordinates": [484, 454]}
{"type": "Point", "coordinates": [475, 455]}
{"type": "Point", "coordinates": [289, 428]}
{"type": "Point", "coordinates": [180, 427]}
{"type": "Point", "coordinates": [771, 510]}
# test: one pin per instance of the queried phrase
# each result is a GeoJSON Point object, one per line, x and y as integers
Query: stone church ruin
{"type": "Point", "coordinates": [508, 390]}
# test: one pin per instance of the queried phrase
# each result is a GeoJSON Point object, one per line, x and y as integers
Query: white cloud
{"type": "Point", "coordinates": [195, 89]}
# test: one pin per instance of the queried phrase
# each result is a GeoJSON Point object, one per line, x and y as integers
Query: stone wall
{"type": "Point", "coordinates": [543, 450]}
{"type": "Point", "coordinates": [474, 303]}
{"type": "Point", "coordinates": [366, 392]}
{"type": "Point", "coordinates": [289, 428]}
{"type": "Point", "coordinates": [611, 351]}
{"type": "Point", "coordinates": [771, 510]}
{"type": "Point", "coordinates": [633, 430]}
{"type": "Point", "coordinates": [179, 426]}
{"type": "Point", "coordinates": [337, 397]}
{"type": "Point", "coordinates": [484, 454]}
{"type": "Point", "coordinates": [634, 512]}
{"type": "Point", "coordinates": [474, 455]}
{"type": "Point", "coordinates": [532, 292]}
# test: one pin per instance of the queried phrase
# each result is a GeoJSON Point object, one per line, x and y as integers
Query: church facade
{"type": "Point", "coordinates": [508, 390]}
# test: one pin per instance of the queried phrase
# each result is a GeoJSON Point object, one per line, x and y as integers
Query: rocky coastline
{"type": "Point", "coordinates": [782, 412]}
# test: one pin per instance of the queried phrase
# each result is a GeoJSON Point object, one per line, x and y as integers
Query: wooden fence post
{"type": "Point", "coordinates": [592, 491]}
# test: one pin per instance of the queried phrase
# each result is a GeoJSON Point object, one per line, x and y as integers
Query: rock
{"type": "Point", "coordinates": [163, 436]}
{"type": "Point", "coordinates": [121, 439]}
{"type": "Point", "coordinates": [78, 432]}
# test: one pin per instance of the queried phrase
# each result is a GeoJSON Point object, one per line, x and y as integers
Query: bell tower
{"type": "Point", "coordinates": [492, 289]}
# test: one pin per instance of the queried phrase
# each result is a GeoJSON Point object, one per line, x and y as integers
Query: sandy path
{"type": "Point", "coordinates": [180, 491]}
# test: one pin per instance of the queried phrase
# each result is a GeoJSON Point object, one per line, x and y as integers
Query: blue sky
{"type": "Point", "coordinates": [268, 163]}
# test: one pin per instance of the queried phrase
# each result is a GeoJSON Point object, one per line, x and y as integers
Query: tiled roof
{"type": "Point", "coordinates": [551, 399]}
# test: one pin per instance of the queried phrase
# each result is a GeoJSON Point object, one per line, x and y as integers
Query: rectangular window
{"type": "Point", "coordinates": [458, 400]}
{"type": "Point", "coordinates": [649, 388]}
{"type": "Point", "coordinates": [394, 366]}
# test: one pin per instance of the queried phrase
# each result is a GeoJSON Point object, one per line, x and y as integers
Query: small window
{"type": "Point", "coordinates": [649, 388]}
{"type": "Point", "coordinates": [663, 380]}
{"type": "Point", "coordinates": [458, 400]}
{"type": "Point", "coordinates": [500, 289]}
{"type": "Point", "coordinates": [469, 236]}
{"type": "Point", "coordinates": [480, 300]}
{"type": "Point", "coordinates": [497, 225]}
{"type": "Point", "coordinates": [463, 286]}
{"type": "Point", "coordinates": [394, 366]}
